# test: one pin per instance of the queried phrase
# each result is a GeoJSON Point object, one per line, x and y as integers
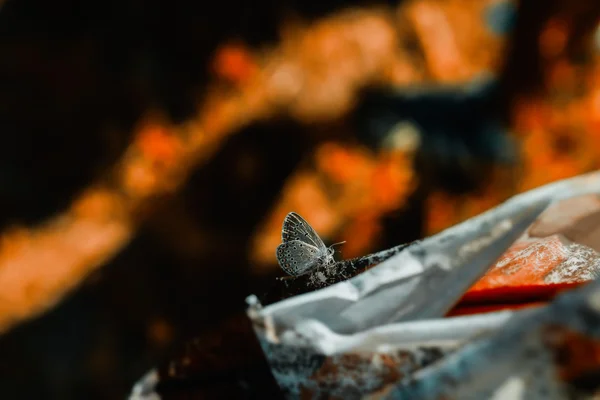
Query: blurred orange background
{"type": "Point", "coordinates": [152, 151]}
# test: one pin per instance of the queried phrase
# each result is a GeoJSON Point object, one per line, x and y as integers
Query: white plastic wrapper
{"type": "Point", "coordinates": [359, 336]}
{"type": "Point", "coordinates": [547, 353]}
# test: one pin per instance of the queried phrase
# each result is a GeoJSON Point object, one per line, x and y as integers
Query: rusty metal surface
{"type": "Point", "coordinates": [330, 342]}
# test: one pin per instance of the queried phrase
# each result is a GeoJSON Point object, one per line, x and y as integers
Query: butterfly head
{"type": "Point", "coordinates": [331, 251]}
{"type": "Point", "coordinates": [328, 259]}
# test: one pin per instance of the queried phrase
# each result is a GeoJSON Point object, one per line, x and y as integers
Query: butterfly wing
{"type": "Point", "coordinates": [296, 228]}
{"type": "Point", "coordinates": [296, 257]}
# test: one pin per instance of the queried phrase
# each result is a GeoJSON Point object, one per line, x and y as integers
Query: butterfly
{"type": "Point", "coordinates": [301, 250]}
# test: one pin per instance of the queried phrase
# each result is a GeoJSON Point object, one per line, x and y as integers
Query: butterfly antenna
{"type": "Point", "coordinates": [335, 244]}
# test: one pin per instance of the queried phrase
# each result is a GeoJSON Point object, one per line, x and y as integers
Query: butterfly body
{"type": "Point", "coordinates": [301, 250]}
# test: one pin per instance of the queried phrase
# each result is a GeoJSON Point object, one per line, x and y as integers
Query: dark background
{"type": "Point", "coordinates": [75, 77]}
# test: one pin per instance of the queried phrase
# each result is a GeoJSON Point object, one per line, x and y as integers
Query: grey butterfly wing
{"type": "Point", "coordinates": [296, 257]}
{"type": "Point", "coordinates": [296, 228]}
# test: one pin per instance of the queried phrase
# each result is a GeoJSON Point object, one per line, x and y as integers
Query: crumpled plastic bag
{"type": "Point", "coordinates": [382, 333]}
